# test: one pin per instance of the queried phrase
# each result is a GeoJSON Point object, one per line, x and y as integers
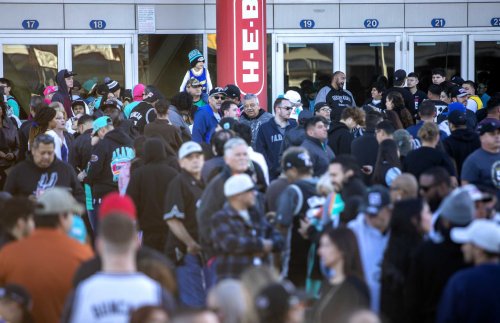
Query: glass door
{"type": "Point", "coordinates": [100, 58]}
{"type": "Point", "coordinates": [366, 60]}
{"type": "Point", "coordinates": [31, 65]}
{"type": "Point", "coordinates": [429, 52]}
{"type": "Point", "coordinates": [304, 64]}
{"type": "Point", "coordinates": [485, 68]}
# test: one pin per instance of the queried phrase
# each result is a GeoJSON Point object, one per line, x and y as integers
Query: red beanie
{"type": "Point", "coordinates": [114, 203]}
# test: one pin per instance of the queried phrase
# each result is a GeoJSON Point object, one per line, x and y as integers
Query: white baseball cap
{"type": "Point", "coordinates": [57, 200]}
{"type": "Point", "coordinates": [293, 97]}
{"type": "Point", "coordinates": [483, 233]}
{"type": "Point", "coordinates": [188, 148]}
{"type": "Point", "coordinates": [238, 184]}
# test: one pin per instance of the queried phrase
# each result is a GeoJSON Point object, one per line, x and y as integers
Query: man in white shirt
{"type": "Point", "coordinates": [111, 294]}
{"type": "Point", "coordinates": [371, 230]}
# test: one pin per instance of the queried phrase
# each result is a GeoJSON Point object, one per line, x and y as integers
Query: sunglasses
{"type": "Point", "coordinates": [195, 86]}
{"type": "Point", "coordinates": [219, 97]}
{"type": "Point", "coordinates": [426, 188]}
{"type": "Point", "coordinates": [287, 108]}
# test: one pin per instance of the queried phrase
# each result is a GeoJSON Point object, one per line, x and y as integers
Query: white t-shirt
{"type": "Point", "coordinates": [110, 297]}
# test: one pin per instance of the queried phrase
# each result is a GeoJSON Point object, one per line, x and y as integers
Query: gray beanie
{"type": "Point", "coordinates": [458, 208]}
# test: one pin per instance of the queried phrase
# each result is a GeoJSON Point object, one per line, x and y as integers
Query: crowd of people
{"type": "Point", "coordinates": [125, 206]}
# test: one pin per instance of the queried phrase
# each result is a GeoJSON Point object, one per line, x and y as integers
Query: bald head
{"type": "Point", "coordinates": [404, 186]}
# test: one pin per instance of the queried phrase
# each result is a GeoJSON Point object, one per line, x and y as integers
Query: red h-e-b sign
{"type": "Point", "coordinates": [241, 46]}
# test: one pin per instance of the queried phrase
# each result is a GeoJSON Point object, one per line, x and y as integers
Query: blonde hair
{"type": "Point", "coordinates": [59, 108]}
{"type": "Point", "coordinates": [428, 132]}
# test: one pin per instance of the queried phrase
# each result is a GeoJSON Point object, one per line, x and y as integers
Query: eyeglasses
{"type": "Point", "coordinates": [325, 109]}
{"type": "Point", "coordinates": [219, 97]}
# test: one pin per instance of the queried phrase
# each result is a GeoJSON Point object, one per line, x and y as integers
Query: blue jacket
{"type": "Point", "coordinates": [413, 130]}
{"type": "Point", "coordinates": [204, 124]}
{"type": "Point", "coordinates": [268, 143]}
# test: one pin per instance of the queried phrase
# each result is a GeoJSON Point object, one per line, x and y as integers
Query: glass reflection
{"type": "Point", "coordinates": [487, 65]}
{"type": "Point", "coordinates": [30, 68]}
{"type": "Point", "coordinates": [163, 60]}
{"type": "Point", "coordinates": [429, 55]}
{"type": "Point", "coordinates": [91, 60]}
{"type": "Point", "coordinates": [365, 63]}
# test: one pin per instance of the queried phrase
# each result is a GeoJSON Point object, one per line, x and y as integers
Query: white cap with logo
{"type": "Point", "coordinates": [238, 184]}
{"type": "Point", "coordinates": [188, 148]}
{"type": "Point", "coordinates": [482, 233]}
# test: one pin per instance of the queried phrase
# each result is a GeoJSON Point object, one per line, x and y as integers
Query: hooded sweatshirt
{"type": "Point", "coordinates": [62, 94]}
{"type": "Point", "coordinates": [148, 186]}
{"type": "Point", "coordinates": [26, 179]}
{"type": "Point", "coordinates": [142, 114]}
{"type": "Point", "coordinates": [460, 144]}
{"type": "Point", "coordinates": [108, 156]}
{"type": "Point", "coordinates": [340, 138]}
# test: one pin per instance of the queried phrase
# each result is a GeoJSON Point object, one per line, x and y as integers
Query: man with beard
{"type": "Point", "coordinates": [435, 185]}
{"type": "Point", "coordinates": [335, 95]}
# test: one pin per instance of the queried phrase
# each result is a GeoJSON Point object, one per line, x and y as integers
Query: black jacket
{"type": "Point", "coordinates": [321, 155]}
{"type": "Point", "coordinates": [82, 150]}
{"type": "Point", "coordinates": [141, 115]}
{"type": "Point", "coordinates": [28, 179]}
{"type": "Point", "coordinates": [293, 138]}
{"type": "Point", "coordinates": [460, 144]}
{"type": "Point", "coordinates": [62, 94]}
{"type": "Point", "coordinates": [365, 148]}
{"type": "Point", "coordinates": [407, 97]}
{"type": "Point", "coordinates": [340, 138]}
{"type": "Point", "coordinates": [148, 187]}
{"type": "Point", "coordinates": [108, 156]}
{"type": "Point", "coordinates": [24, 133]}
{"type": "Point", "coordinates": [268, 143]}
{"type": "Point", "coordinates": [431, 267]}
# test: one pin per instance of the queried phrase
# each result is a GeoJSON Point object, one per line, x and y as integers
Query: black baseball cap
{"type": "Point", "coordinates": [320, 105]}
{"type": "Point", "coordinates": [489, 126]}
{"type": "Point", "coordinates": [110, 104]}
{"type": "Point", "coordinates": [458, 92]}
{"type": "Point", "coordinates": [457, 80]}
{"type": "Point", "coordinates": [217, 90]}
{"type": "Point", "coordinates": [399, 75]}
{"type": "Point", "coordinates": [68, 73]}
{"type": "Point", "coordinates": [457, 117]}
{"type": "Point", "coordinates": [232, 91]}
{"type": "Point", "coordinates": [297, 159]}
{"type": "Point", "coordinates": [376, 198]}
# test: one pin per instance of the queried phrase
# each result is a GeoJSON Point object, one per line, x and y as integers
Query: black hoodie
{"type": "Point", "coordinates": [27, 179]}
{"type": "Point", "coordinates": [148, 186]}
{"type": "Point", "coordinates": [340, 138]}
{"type": "Point", "coordinates": [108, 156]}
{"type": "Point", "coordinates": [460, 144]}
{"type": "Point", "coordinates": [62, 94]}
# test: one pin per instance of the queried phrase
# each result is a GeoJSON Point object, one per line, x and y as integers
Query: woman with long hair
{"type": "Point", "coordinates": [394, 102]}
{"type": "Point", "coordinates": [387, 167]}
{"type": "Point", "coordinates": [9, 143]}
{"type": "Point", "coordinates": [40, 123]}
{"type": "Point", "coordinates": [346, 291]}
{"type": "Point", "coordinates": [411, 220]}
{"type": "Point", "coordinates": [55, 129]}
